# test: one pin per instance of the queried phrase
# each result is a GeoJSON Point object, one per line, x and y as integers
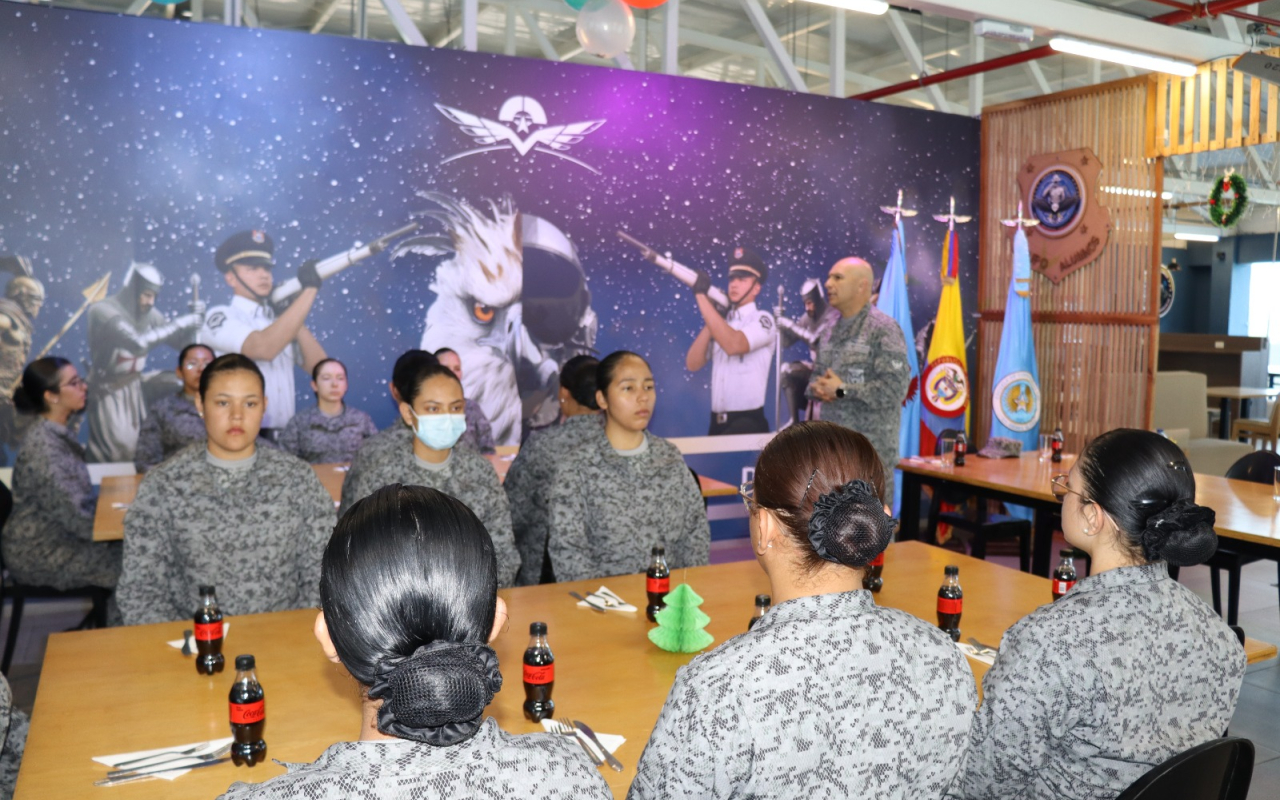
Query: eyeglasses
{"type": "Point", "coordinates": [747, 491]}
{"type": "Point", "coordinates": [1061, 489]}
{"type": "Point", "coordinates": [75, 383]}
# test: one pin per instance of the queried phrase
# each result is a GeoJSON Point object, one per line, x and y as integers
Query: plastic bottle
{"type": "Point", "coordinates": [539, 675]}
{"type": "Point", "coordinates": [1055, 444]}
{"type": "Point", "coordinates": [248, 715]}
{"type": "Point", "coordinates": [763, 601]}
{"type": "Point", "coordinates": [1064, 577]}
{"type": "Point", "coordinates": [871, 578]}
{"type": "Point", "coordinates": [962, 447]}
{"type": "Point", "coordinates": [950, 603]}
{"type": "Point", "coordinates": [208, 633]}
{"type": "Point", "coordinates": [657, 582]}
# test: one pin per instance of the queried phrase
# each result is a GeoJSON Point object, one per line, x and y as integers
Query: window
{"type": "Point", "coordinates": [1264, 311]}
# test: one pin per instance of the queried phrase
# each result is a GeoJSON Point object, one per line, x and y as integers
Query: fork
{"type": "Point", "coordinates": [123, 764]}
{"type": "Point", "coordinates": [568, 730]}
{"type": "Point", "coordinates": [219, 753]}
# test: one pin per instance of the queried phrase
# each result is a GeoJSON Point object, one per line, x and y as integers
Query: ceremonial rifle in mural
{"type": "Point", "coordinates": [334, 264]}
{"type": "Point", "coordinates": [675, 269]}
{"type": "Point", "coordinates": [1060, 192]}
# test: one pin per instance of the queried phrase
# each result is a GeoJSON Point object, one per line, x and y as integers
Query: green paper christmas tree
{"type": "Point", "coordinates": [681, 623]}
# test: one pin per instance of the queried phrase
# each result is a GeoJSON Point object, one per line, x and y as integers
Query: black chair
{"type": "Point", "coordinates": [982, 527]}
{"type": "Point", "coordinates": [19, 593]}
{"type": "Point", "coordinates": [1257, 467]}
{"type": "Point", "coordinates": [1218, 770]}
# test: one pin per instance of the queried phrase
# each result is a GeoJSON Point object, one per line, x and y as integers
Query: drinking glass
{"type": "Point", "coordinates": [948, 451]}
{"type": "Point", "coordinates": [1275, 491]}
{"type": "Point", "coordinates": [1046, 449]}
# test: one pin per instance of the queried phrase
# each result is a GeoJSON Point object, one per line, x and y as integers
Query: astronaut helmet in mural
{"type": "Point", "coordinates": [747, 273]}
{"type": "Point", "coordinates": [814, 297]}
{"type": "Point", "coordinates": [245, 259]}
{"type": "Point", "coordinates": [23, 289]}
{"type": "Point", "coordinates": [142, 284]}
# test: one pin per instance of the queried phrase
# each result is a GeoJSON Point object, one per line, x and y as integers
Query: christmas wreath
{"type": "Point", "coordinates": [1227, 216]}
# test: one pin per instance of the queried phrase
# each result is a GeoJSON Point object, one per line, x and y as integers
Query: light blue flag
{"type": "Point", "coordinates": [1015, 401]}
{"type": "Point", "coordinates": [893, 301]}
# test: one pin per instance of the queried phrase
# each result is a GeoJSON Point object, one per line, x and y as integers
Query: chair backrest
{"type": "Point", "coordinates": [1216, 770]}
{"type": "Point", "coordinates": [1259, 467]}
{"type": "Point", "coordinates": [1180, 402]}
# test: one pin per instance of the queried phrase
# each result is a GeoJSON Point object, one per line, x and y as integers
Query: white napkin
{"type": "Point", "coordinates": [606, 599]}
{"type": "Point", "coordinates": [177, 643]}
{"type": "Point", "coordinates": [178, 771]}
{"type": "Point", "coordinates": [609, 740]}
{"type": "Point", "coordinates": [972, 652]}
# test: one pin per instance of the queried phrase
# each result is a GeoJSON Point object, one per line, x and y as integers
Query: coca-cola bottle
{"type": "Point", "coordinates": [950, 603]}
{"type": "Point", "coordinates": [657, 582]}
{"type": "Point", "coordinates": [208, 633]}
{"type": "Point", "coordinates": [871, 578]}
{"type": "Point", "coordinates": [539, 675]}
{"type": "Point", "coordinates": [763, 601]}
{"type": "Point", "coordinates": [1056, 443]}
{"type": "Point", "coordinates": [1064, 577]}
{"type": "Point", "coordinates": [248, 715]}
{"type": "Point", "coordinates": [962, 447]}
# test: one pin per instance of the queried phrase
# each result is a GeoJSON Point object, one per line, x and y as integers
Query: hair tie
{"type": "Point", "coordinates": [438, 694]}
{"type": "Point", "coordinates": [848, 525]}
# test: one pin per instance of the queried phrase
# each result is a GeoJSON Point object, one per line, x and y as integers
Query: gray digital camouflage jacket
{"type": "Point", "coordinates": [318, 439]}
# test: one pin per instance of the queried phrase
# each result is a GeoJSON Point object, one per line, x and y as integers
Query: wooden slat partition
{"type": "Point", "coordinates": [1207, 111]}
{"type": "Point", "coordinates": [1096, 331]}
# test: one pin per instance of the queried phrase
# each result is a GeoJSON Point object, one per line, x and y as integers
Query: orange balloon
{"type": "Point", "coordinates": [645, 4]}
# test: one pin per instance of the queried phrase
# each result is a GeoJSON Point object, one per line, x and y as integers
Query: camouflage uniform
{"type": "Point", "coordinates": [528, 482]}
{"type": "Point", "coordinates": [319, 439]}
{"type": "Point", "coordinates": [13, 733]}
{"type": "Point", "coordinates": [607, 510]}
{"type": "Point", "coordinates": [464, 474]}
{"type": "Point", "coordinates": [492, 765]}
{"type": "Point", "coordinates": [869, 353]}
{"type": "Point", "coordinates": [48, 540]}
{"type": "Point", "coordinates": [479, 433]}
{"type": "Point", "coordinates": [172, 424]}
{"type": "Point", "coordinates": [255, 529]}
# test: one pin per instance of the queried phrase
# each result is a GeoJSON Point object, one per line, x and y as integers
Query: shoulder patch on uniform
{"type": "Point", "coordinates": [215, 320]}
{"type": "Point", "coordinates": [766, 321]}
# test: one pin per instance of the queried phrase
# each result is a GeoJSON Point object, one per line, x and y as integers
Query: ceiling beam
{"type": "Point", "coordinates": [898, 27]}
{"type": "Point", "coordinates": [764, 29]}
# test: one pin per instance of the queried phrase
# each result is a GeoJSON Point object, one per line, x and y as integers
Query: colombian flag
{"type": "Point", "coordinates": [944, 383]}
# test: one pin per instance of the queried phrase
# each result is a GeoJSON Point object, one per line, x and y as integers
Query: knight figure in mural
{"type": "Point", "coordinates": [819, 317]}
{"type": "Point", "coordinates": [23, 298]}
{"type": "Point", "coordinates": [123, 329]}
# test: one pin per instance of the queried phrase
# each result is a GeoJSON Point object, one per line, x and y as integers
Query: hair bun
{"type": "Point", "coordinates": [1181, 534]}
{"type": "Point", "coordinates": [848, 525]}
{"type": "Point", "coordinates": [438, 694]}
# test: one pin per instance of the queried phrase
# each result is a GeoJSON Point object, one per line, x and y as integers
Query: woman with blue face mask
{"type": "Point", "coordinates": [432, 406]}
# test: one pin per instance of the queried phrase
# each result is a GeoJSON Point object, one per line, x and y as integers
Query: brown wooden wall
{"type": "Point", "coordinates": [1096, 331]}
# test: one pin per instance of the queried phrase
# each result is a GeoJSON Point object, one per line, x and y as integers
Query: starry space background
{"type": "Point", "coordinates": [128, 139]}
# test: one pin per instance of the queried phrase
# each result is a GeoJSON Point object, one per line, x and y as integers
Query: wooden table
{"type": "Point", "coordinates": [1226, 395]}
{"type": "Point", "coordinates": [145, 694]}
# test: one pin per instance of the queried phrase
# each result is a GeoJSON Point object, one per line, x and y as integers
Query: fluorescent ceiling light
{"type": "Point", "coordinates": [1196, 237]}
{"type": "Point", "coordinates": [1117, 55]}
{"type": "Point", "coordinates": [876, 7]}
{"type": "Point", "coordinates": [1188, 232]}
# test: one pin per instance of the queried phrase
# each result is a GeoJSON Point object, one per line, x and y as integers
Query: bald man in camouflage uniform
{"type": "Point", "coordinates": [862, 364]}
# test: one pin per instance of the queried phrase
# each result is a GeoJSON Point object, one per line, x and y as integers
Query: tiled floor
{"type": "Point", "coordinates": [1257, 716]}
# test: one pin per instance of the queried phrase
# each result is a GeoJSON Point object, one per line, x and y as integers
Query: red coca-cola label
{"type": "Point", "coordinates": [948, 605]}
{"type": "Point", "coordinates": [878, 561]}
{"type": "Point", "coordinates": [657, 585]}
{"type": "Point", "coordinates": [248, 713]}
{"type": "Point", "coordinates": [539, 675]}
{"type": "Point", "coordinates": [208, 631]}
{"type": "Point", "coordinates": [1062, 587]}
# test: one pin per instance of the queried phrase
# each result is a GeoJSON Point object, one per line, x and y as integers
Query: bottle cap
{"type": "Point", "coordinates": [538, 628]}
{"type": "Point", "coordinates": [763, 600]}
{"type": "Point", "coordinates": [659, 550]}
{"type": "Point", "coordinates": [1068, 553]}
{"type": "Point", "coordinates": [207, 588]}
{"type": "Point", "coordinates": [244, 662]}
{"type": "Point", "coordinates": [952, 569]}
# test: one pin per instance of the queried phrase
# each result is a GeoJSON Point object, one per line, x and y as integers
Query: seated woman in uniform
{"type": "Point", "coordinates": [250, 520]}
{"type": "Point", "coordinates": [431, 405]}
{"type": "Point", "coordinates": [48, 539]}
{"type": "Point", "coordinates": [333, 431]}
{"type": "Point", "coordinates": [623, 490]}
{"type": "Point", "coordinates": [409, 602]}
{"type": "Point", "coordinates": [173, 422]}
{"type": "Point", "coordinates": [1128, 668]}
{"type": "Point", "coordinates": [828, 695]}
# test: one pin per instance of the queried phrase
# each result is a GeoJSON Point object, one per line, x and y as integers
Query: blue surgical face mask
{"type": "Point", "coordinates": [440, 431]}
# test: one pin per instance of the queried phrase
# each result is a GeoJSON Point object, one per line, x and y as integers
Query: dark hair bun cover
{"type": "Point", "coordinates": [438, 694]}
{"type": "Point", "coordinates": [1182, 534]}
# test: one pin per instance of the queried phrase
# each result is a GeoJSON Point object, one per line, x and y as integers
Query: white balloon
{"type": "Point", "coordinates": [606, 27]}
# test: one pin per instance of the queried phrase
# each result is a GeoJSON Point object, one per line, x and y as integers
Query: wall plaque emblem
{"type": "Point", "coordinates": [1060, 189]}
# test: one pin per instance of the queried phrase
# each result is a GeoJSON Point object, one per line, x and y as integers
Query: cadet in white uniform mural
{"type": "Point", "coordinates": [739, 345]}
{"type": "Point", "coordinates": [251, 326]}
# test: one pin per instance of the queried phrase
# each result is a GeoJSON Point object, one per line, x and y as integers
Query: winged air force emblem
{"type": "Point", "coordinates": [520, 115]}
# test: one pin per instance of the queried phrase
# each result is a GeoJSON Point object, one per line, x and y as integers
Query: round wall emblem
{"type": "Point", "coordinates": [1017, 402]}
{"type": "Point", "coordinates": [1057, 200]}
{"type": "Point", "coordinates": [1166, 290]}
{"type": "Point", "coordinates": [946, 387]}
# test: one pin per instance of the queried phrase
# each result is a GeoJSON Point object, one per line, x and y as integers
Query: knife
{"type": "Point", "coordinates": [590, 604]}
{"type": "Point", "coordinates": [613, 762]}
{"type": "Point", "coordinates": [147, 773]}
